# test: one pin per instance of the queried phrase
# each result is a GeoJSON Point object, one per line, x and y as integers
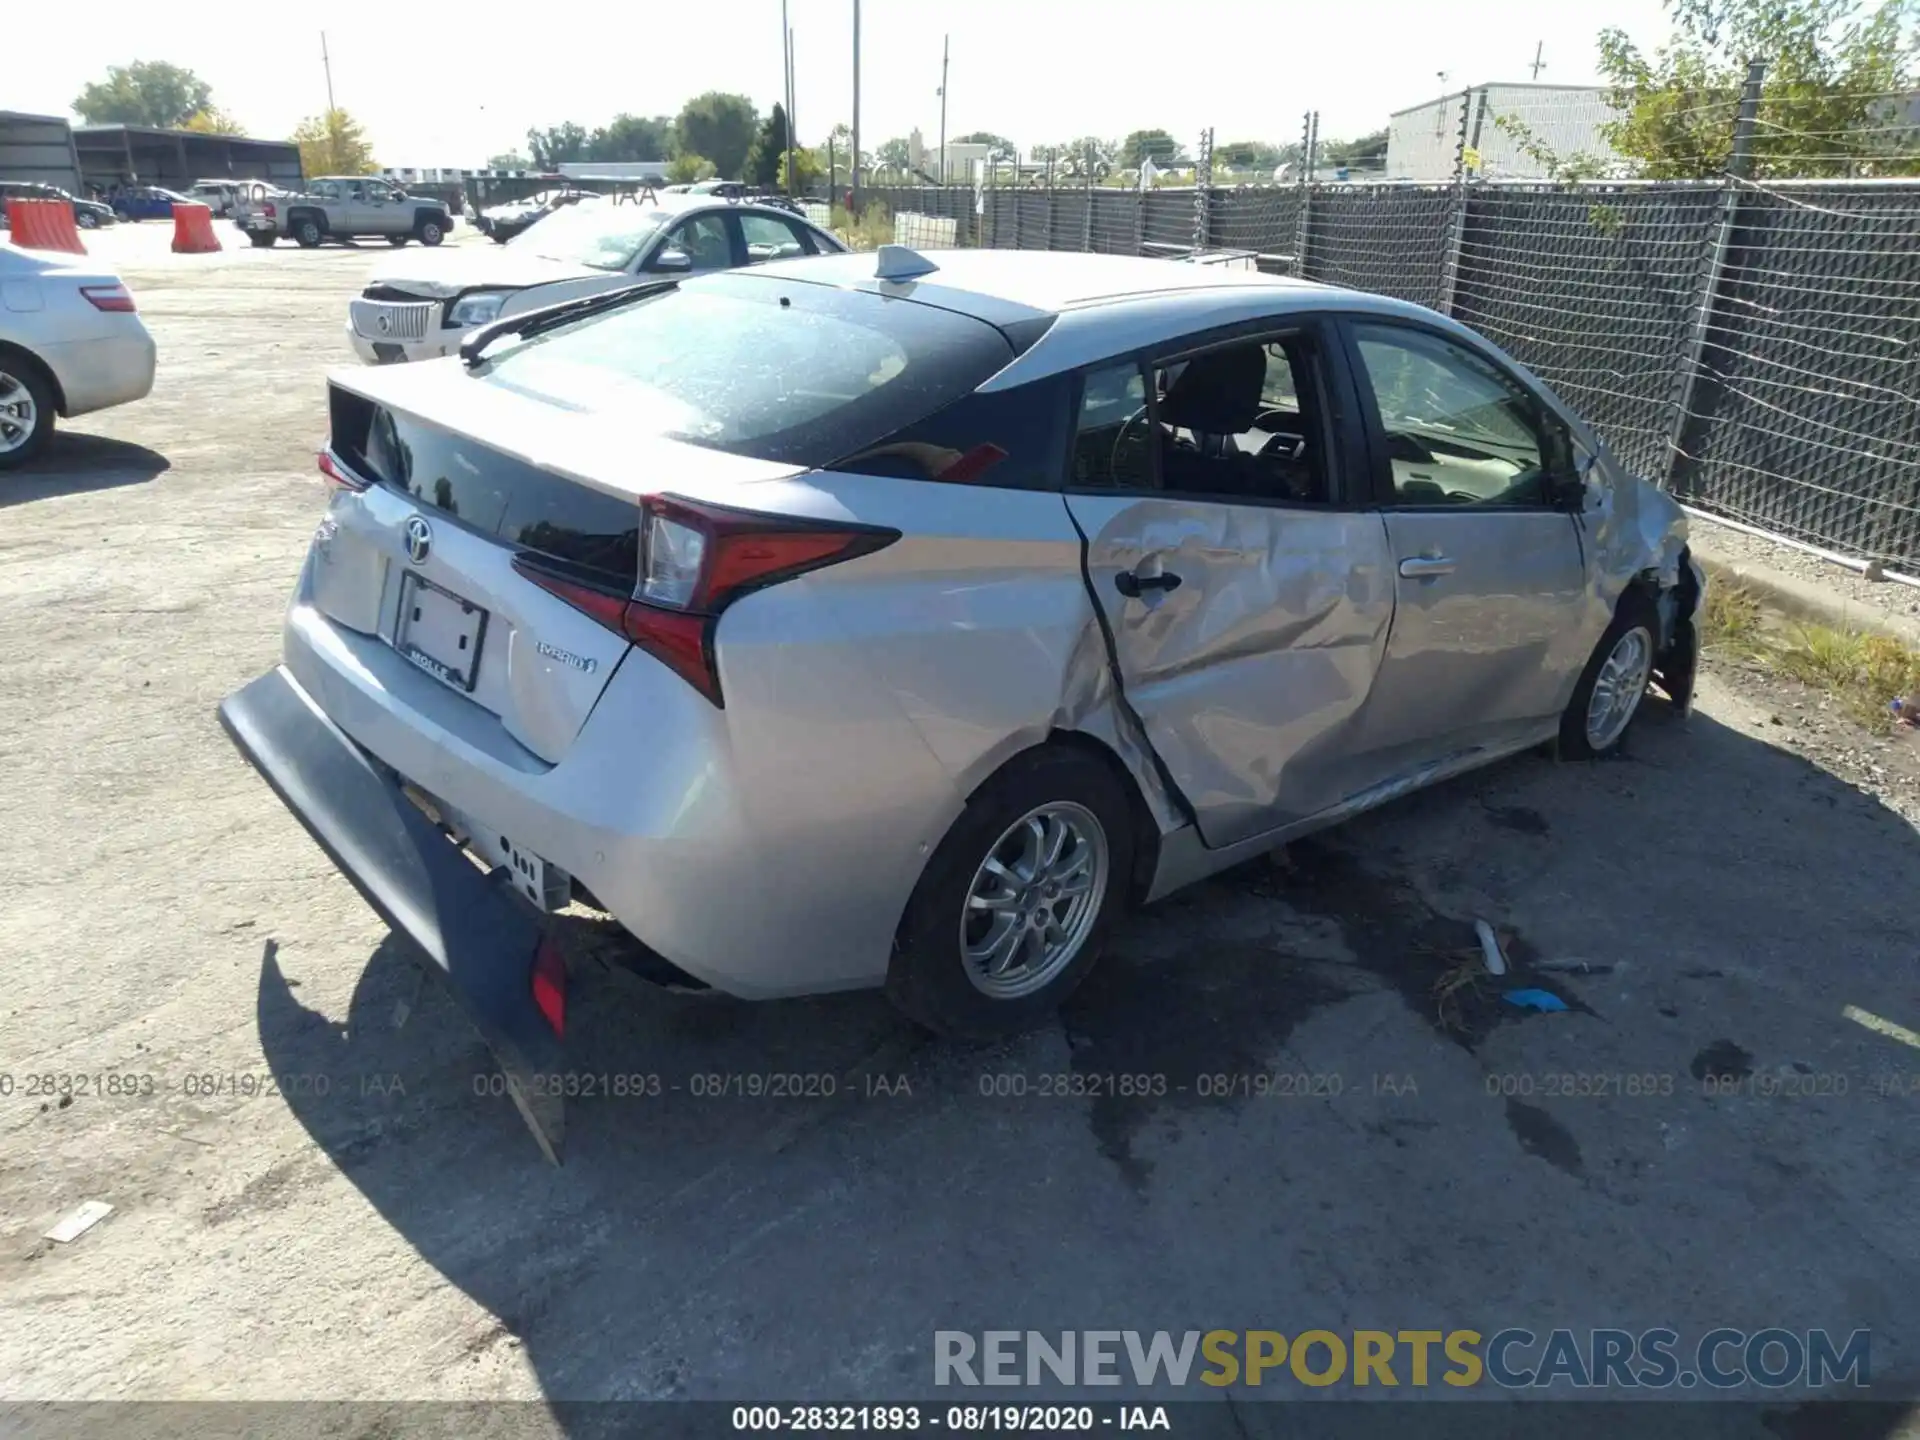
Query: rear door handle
{"type": "Point", "coordinates": [1425, 567]}
{"type": "Point", "coordinates": [1132, 585]}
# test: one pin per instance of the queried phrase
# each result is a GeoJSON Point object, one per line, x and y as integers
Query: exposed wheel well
{"type": "Point", "coordinates": [1146, 830]}
{"type": "Point", "coordinates": [27, 359]}
{"type": "Point", "coordinates": [307, 212]}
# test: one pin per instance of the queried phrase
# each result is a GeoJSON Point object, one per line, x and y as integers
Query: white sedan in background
{"type": "Point", "coordinates": [420, 305]}
{"type": "Point", "coordinates": [70, 342]}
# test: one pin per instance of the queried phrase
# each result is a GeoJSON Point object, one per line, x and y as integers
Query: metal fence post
{"type": "Point", "coordinates": [1457, 231]}
{"type": "Point", "coordinates": [1202, 190]}
{"type": "Point", "coordinates": [1053, 206]}
{"type": "Point", "coordinates": [1309, 134]}
{"type": "Point", "coordinates": [1017, 206]}
{"type": "Point", "coordinates": [1693, 400]}
{"type": "Point", "coordinates": [1086, 225]}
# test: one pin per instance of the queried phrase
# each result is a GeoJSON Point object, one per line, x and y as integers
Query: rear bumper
{"type": "Point", "coordinates": [104, 370]}
{"type": "Point", "coordinates": [467, 924]}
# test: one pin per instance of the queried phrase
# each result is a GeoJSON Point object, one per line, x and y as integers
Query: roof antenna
{"type": "Point", "coordinates": [902, 262]}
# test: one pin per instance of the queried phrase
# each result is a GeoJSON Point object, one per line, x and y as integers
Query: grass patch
{"type": "Point", "coordinates": [868, 231]}
{"type": "Point", "coordinates": [1864, 671]}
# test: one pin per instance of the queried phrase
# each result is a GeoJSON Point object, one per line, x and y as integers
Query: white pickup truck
{"type": "Point", "coordinates": [341, 207]}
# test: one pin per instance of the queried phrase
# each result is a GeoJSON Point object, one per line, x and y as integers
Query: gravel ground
{"type": "Point", "coordinates": [311, 1199]}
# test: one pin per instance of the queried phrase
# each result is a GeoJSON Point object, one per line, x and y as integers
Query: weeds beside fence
{"type": "Point", "coordinates": [1753, 346]}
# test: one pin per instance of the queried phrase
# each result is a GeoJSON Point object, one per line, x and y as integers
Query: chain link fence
{"type": "Point", "coordinates": [1752, 344]}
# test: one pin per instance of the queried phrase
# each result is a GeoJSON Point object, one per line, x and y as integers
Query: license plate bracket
{"type": "Point", "coordinates": [440, 631]}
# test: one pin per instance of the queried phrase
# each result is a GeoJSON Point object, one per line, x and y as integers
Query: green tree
{"type": "Point", "coordinates": [511, 160]}
{"type": "Point", "coordinates": [998, 146]}
{"type": "Point", "coordinates": [632, 137]}
{"type": "Point", "coordinates": [557, 145]}
{"type": "Point", "coordinates": [213, 121]}
{"type": "Point", "coordinates": [808, 172]}
{"type": "Point", "coordinates": [719, 126]}
{"type": "Point", "coordinates": [686, 167]}
{"type": "Point", "coordinates": [1369, 152]}
{"type": "Point", "coordinates": [1157, 145]}
{"type": "Point", "coordinates": [895, 155]}
{"type": "Point", "coordinates": [769, 149]}
{"type": "Point", "coordinates": [1834, 100]}
{"type": "Point", "coordinates": [333, 144]}
{"type": "Point", "coordinates": [147, 92]}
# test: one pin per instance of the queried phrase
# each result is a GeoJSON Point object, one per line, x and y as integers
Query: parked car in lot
{"type": "Point", "coordinates": [146, 202]}
{"type": "Point", "coordinates": [503, 222]}
{"type": "Point", "coordinates": [70, 342]}
{"type": "Point", "coordinates": [420, 308]}
{"type": "Point", "coordinates": [87, 214]}
{"type": "Point", "coordinates": [870, 621]}
{"type": "Point", "coordinates": [342, 207]}
{"type": "Point", "coordinates": [219, 196]}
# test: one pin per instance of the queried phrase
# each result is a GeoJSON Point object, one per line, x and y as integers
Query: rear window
{"type": "Point", "coordinates": [790, 372]}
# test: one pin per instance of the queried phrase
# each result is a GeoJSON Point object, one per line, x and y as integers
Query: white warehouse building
{"type": "Point", "coordinates": [1564, 120]}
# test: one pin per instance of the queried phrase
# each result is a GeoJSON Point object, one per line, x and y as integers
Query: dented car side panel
{"type": "Point", "coordinates": [1250, 674]}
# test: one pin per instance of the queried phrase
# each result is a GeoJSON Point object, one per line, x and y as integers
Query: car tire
{"type": "Point", "coordinates": [935, 979]}
{"type": "Point", "coordinates": [430, 232]}
{"type": "Point", "coordinates": [23, 387]}
{"type": "Point", "coordinates": [261, 240]}
{"type": "Point", "coordinates": [307, 233]}
{"type": "Point", "coordinates": [87, 220]}
{"type": "Point", "coordinates": [1607, 698]}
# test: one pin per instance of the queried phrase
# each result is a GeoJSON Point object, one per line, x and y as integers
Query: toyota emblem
{"type": "Point", "coordinates": [419, 540]}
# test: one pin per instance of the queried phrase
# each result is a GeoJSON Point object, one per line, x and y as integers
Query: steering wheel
{"type": "Point", "coordinates": [1120, 436]}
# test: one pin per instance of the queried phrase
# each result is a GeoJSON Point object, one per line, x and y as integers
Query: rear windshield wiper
{"type": "Point", "coordinates": [529, 323]}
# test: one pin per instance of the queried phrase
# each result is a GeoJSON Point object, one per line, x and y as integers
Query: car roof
{"type": "Point", "coordinates": [1094, 307]}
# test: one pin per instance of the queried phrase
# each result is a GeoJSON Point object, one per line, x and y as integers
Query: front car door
{"type": "Point", "coordinates": [1490, 626]}
{"type": "Point", "coordinates": [1241, 568]}
{"type": "Point", "coordinates": [379, 212]}
{"type": "Point", "coordinates": [707, 239]}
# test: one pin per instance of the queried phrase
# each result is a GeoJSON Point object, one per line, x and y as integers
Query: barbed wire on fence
{"type": "Point", "coordinates": [1750, 340]}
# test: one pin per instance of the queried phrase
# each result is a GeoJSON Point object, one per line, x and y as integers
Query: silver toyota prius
{"type": "Point", "coordinates": [897, 620]}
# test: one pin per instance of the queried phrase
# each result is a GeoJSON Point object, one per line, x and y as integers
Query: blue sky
{"type": "Point", "coordinates": [450, 85]}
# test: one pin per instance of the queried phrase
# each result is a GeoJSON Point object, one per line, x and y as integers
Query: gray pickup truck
{"type": "Point", "coordinates": [340, 207]}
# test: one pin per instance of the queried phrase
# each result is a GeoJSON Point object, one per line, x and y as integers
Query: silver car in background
{"type": "Point", "coordinates": [70, 342]}
{"type": "Point", "coordinates": [885, 622]}
{"type": "Point", "coordinates": [420, 305]}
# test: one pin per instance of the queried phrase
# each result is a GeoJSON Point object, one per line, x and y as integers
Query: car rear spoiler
{"type": "Point", "coordinates": [467, 923]}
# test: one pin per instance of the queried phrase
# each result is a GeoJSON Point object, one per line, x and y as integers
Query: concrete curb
{"type": "Point", "coordinates": [1802, 600]}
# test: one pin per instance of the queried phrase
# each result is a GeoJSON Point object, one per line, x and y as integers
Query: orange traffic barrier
{"type": "Point", "coordinates": [44, 225]}
{"type": "Point", "coordinates": [193, 230]}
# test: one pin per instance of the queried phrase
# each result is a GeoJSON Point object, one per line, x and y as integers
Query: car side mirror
{"type": "Point", "coordinates": [672, 260]}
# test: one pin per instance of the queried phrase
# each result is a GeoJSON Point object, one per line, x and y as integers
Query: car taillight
{"type": "Point", "coordinates": [113, 297]}
{"type": "Point", "coordinates": [336, 473]}
{"type": "Point", "coordinates": [695, 560]}
{"type": "Point", "coordinates": [268, 210]}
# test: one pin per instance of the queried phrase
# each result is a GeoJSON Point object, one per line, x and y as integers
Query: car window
{"type": "Point", "coordinates": [1237, 422]}
{"type": "Point", "coordinates": [605, 237]}
{"type": "Point", "coordinates": [327, 190]}
{"type": "Point", "coordinates": [1458, 430]}
{"type": "Point", "coordinates": [377, 191]}
{"type": "Point", "coordinates": [355, 190]}
{"type": "Point", "coordinates": [771, 239]}
{"type": "Point", "coordinates": [748, 363]}
{"type": "Point", "coordinates": [1112, 439]}
{"type": "Point", "coordinates": [702, 239]}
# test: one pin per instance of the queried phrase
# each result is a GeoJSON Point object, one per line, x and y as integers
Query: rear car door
{"type": "Point", "coordinates": [1244, 582]}
{"type": "Point", "coordinates": [767, 237]}
{"type": "Point", "coordinates": [1489, 627]}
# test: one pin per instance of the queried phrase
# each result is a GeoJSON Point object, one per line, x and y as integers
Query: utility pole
{"type": "Point", "coordinates": [945, 42]}
{"type": "Point", "coordinates": [327, 65]}
{"type": "Point", "coordinates": [853, 167]}
{"type": "Point", "coordinates": [786, 69]}
{"type": "Point", "coordinates": [1538, 63]}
